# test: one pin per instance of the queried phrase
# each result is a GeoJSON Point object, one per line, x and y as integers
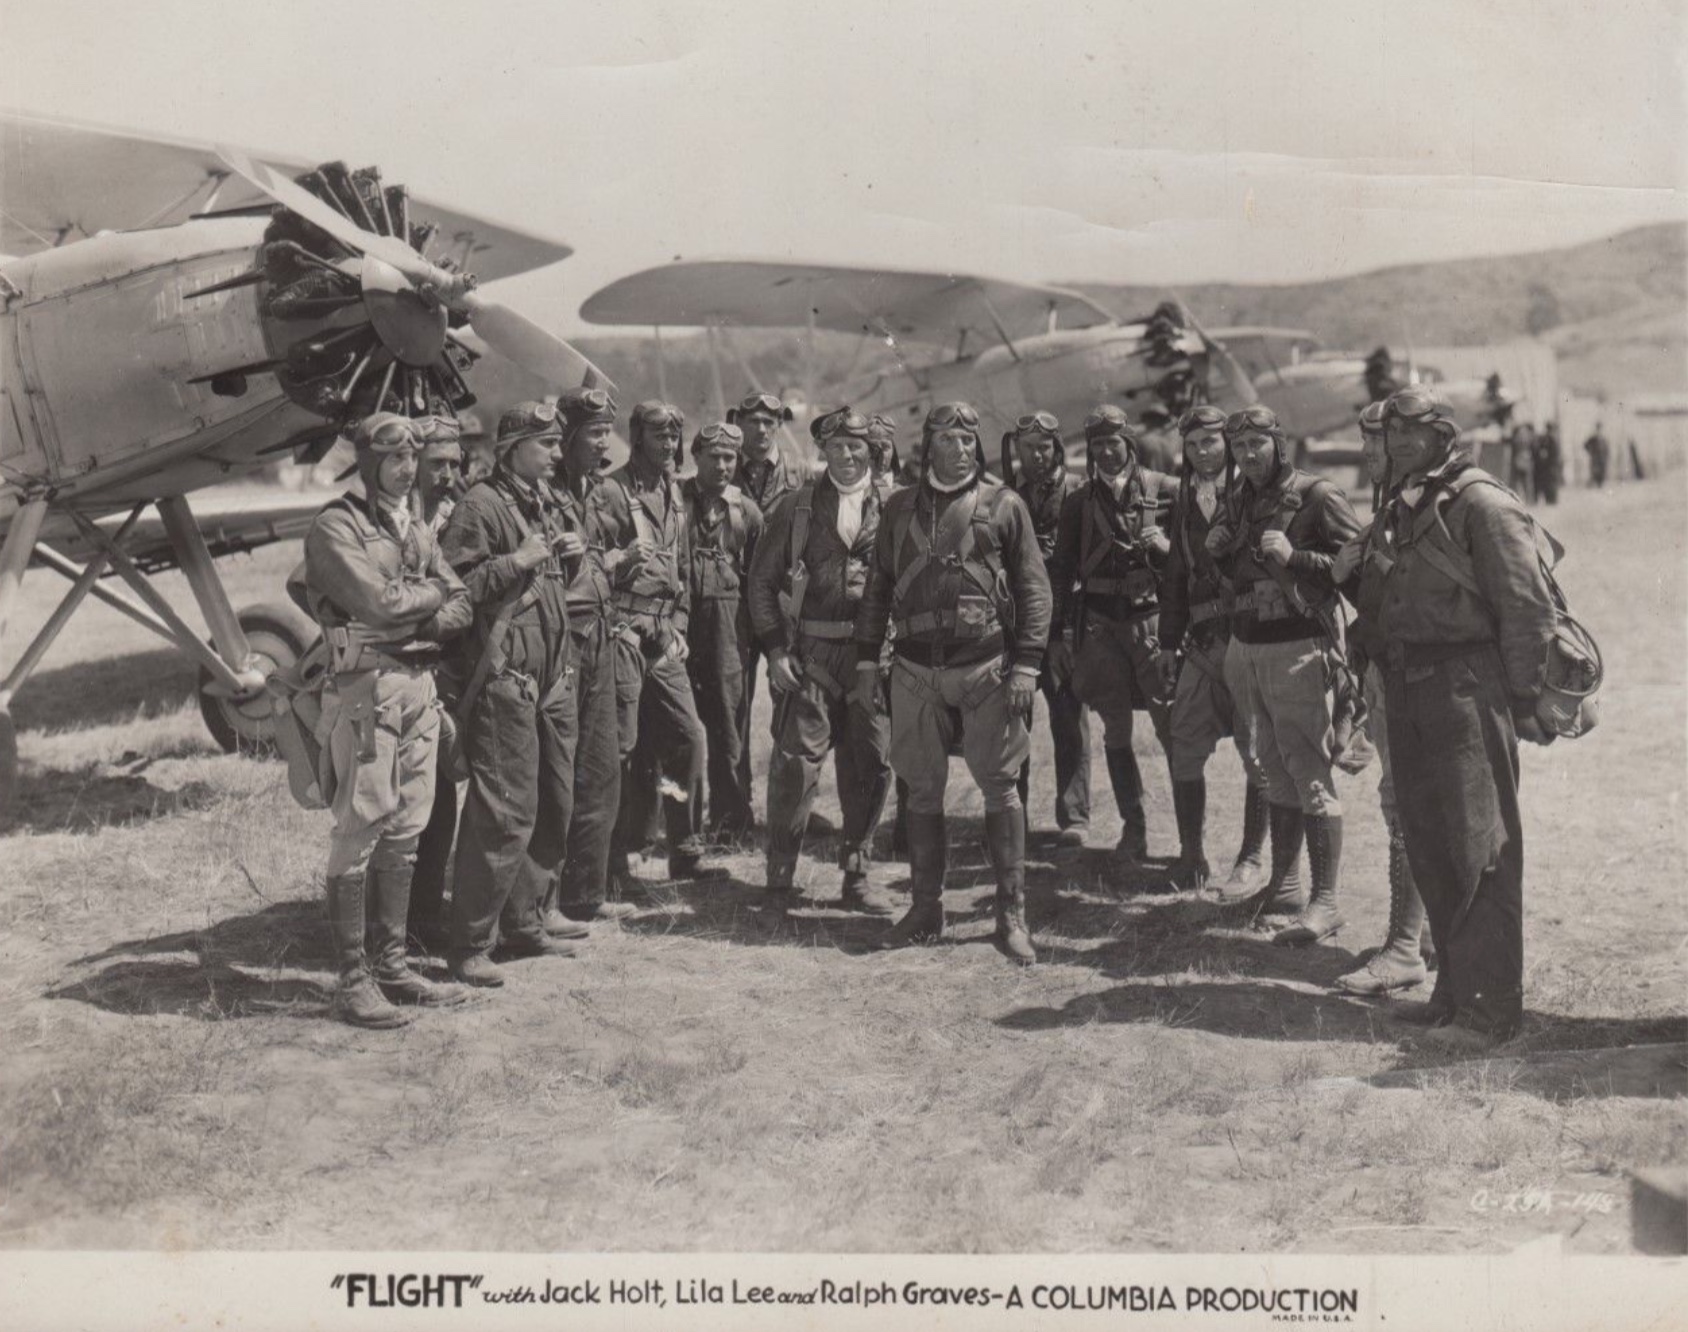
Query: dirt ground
{"type": "Point", "coordinates": [712, 1076]}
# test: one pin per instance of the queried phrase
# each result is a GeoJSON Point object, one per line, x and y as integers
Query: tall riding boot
{"type": "Point", "coordinates": [1319, 919]}
{"type": "Point", "coordinates": [1284, 893]}
{"type": "Point", "coordinates": [1127, 781]}
{"type": "Point", "coordinates": [1398, 965]}
{"type": "Point", "coordinates": [389, 898]}
{"type": "Point", "coordinates": [1005, 835]}
{"type": "Point", "coordinates": [1189, 805]}
{"type": "Point", "coordinates": [356, 1000]}
{"type": "Point", "coordinates": [1249, 870]}
{"type": "Point", "coordinates": [928, 851]}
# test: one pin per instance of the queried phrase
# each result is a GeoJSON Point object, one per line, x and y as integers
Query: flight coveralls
{"type": "Point", "coordinates": [1282, 669]}
{"type": "Point", "coordinates": [599, 644]}
{"type": "Point", "coordinates": [1069, 722]}
{"type": "Point", "coordinates": [385, 601]}
{"type": "Point", "coordinates": [723, 527]}
{"type": "Point", "coordinates": [653, 600]}
{"type": "Point", "coordinates": [806, 586]}
{"type": "Point", "coordinates": [961, 577]}
{"type": "Point", "coordinates": [433, 851]}
{"type": "Point", "coordinates": [1401, 962]}
{"type": "Point", "coordinates": [1195, 620]}
{"type": "Point", "coordinates": [1105, 577]}
{"type": "Point", "coordinates": [1461, 666]}
{"type": "Point", "coordinates": [763, 482]}
{"type": "Point", "coordinates": [520, 718]}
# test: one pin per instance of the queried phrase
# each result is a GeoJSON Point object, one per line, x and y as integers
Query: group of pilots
{"type": "Point", "coordinates": [582, 645]}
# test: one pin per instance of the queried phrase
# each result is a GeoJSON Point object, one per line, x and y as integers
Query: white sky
{"type": "Point", "coordinates": [1172, 141]}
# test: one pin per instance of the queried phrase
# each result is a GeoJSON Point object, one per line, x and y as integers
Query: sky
{"type": "Point", "coordinates": [1156, 142]}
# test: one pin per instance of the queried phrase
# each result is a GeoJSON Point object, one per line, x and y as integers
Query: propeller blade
{"type": "Point", "coordinates": [530, 346]}
{"type": "Point", "coordinates": [516, 336]}
{"type": "Point", "coordinates": [1241, 384]}
{"type": "Point", "coordinates": [297, 199]}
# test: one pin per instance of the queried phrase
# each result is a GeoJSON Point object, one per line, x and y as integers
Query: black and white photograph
{"type": "Point", "coordinates": [965, 665]}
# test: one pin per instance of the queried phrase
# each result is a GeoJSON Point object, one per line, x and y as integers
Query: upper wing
{"type": "Point", "coordinates": [1265, 351]}
{"type": "Point", "coordinates": [62, 180]}
{"type": "Point", "coordinates": [920, 307]}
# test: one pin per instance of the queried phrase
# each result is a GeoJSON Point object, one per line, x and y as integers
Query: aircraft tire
{"type": "Point", "coordinates": [279, 635]}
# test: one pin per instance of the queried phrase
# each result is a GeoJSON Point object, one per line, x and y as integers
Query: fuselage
{"type": "Point", "coordinates": [1067, 372]}
{"type": "Point", "coordinates": [107, 366]}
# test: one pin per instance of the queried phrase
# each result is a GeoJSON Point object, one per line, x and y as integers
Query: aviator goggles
{"type": "Point", "coordinates": [1201, 418]}
{"type": "Point", "coordinates": [761, 402]}
{"type": "Point", "coordinates": [840, 421]}
{"type": "Point", "coordinates": [949, 415]}
{"type": "Point", "coordinates": [719, 433]}
{"type": "Point", "coordinates": [386, 432]}
{"type": "Point", "coordinates": [1417, 402]}
{"type": "Point", "coordinates": [1257, 417]}
{"type": "Point", "coordinates": [1038, 423]}
{"type": "Point", "coordinates": [1108, 420]}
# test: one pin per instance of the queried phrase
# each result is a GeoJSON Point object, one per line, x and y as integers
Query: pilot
{"type": "Point", "coordinates": [605, 651]}
{"type": "Point", "coordinates": [763, 475]}
{"type": "Point", "coordinates": [1402, 962]}
{"type": "Point", "coordinates": [1274, 544]}
{"type": "Point", "coordinates": [386, 600]}
{"type": "Point", "coordinates": [957, 569]}
{"type": "Point", "coordinates": [882, 441]}
{"type": "Point", "coordinates": [517, 704]}
{"type": "Point", "coordinates": [1195, 633]}
{"type": "Point", "coordinates": [1044, 483]}
{"type": "Point", "coordinates": [723, 524]}
{"type": "Point", "coordinates": [1465, 663]}
{"type": "Point", "coordinates": [439, 483]}
{"type": "Point", "coordinates": [641, 512]}
{"type": "Point", "coordinates": [806, 585]}
{"type": "Point", "coordinates": [1109, 547]}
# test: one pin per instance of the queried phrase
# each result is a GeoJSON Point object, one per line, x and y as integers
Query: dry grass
{"type": "Point", "coordinates": [714, 1077]}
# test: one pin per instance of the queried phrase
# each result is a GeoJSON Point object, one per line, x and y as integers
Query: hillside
{"type": "Point", "coordinates": [1616, 309]}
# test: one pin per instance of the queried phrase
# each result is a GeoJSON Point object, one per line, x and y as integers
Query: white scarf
{"type": "Point", "coordinates": [850, 500]}
{"type": "Point", "coordinates": [1207, 496]}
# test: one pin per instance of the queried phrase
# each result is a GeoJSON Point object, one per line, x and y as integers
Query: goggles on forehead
{"type": "Point", "coordinates": [593, 399]}
{"type": "Point", "coordinates": [719, 433]}
{"type": "Point", "coordinates": [1253, 418]}
{"type": "Point", "coordinates": [1108, 420]}
{"type": "Point", "coordinates": [882, 427]}
{"type": "Point", "coordinates": [842, 421]}
{"type": "Point", "coordinates": [656, 415]}
{"type": "Point", "coordinates": [1371, 420]}
{"type": "Point", "coordinates": [761, 402]}
{"type": "Point", "coordinates": [1038, 423]}
{"type": "Point", "coordinates": [949, 415]}
{"type": "Point", "coordinates": [386, 432]}
{"type": "Point", "coordinates": [438, 429]}
{"type": "Point", "coordinates": [1201, 418]}
{"type": "Point", "coordinates": [1417, 402]}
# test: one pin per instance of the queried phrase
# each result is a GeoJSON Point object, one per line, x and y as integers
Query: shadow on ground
{"type": "Point", "coordinates": [240, 967]}
{"type": "Point", "coordinates": [112, 689]}
{"type": "Point", "coordinates": [97, 797]}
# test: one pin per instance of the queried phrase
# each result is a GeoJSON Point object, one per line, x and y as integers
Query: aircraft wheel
{"type": "Point", "coordinates": [279, 635]}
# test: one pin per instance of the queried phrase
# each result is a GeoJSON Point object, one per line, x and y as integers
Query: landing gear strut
{"type": "Point", "coordinates": [243, 651]}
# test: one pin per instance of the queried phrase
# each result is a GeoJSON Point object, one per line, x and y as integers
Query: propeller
{"type": "Point", "coordinates": [1232, 369]}
{"type": "Point", "coordinates": [516, 336]}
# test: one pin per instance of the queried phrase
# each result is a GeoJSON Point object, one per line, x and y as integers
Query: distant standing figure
{"type": "Point", "coordinates": [1521, 462]}
{"type": "Point", "coordinates": [1549, 464]}
{"type": "Point", "coordinates": [1599, 450]}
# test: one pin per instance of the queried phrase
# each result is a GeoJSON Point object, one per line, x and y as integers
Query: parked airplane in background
{"type": "Point", "coordinates": [243, 320]}
{"type": "Point", "coordinates": [1006, 347]}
